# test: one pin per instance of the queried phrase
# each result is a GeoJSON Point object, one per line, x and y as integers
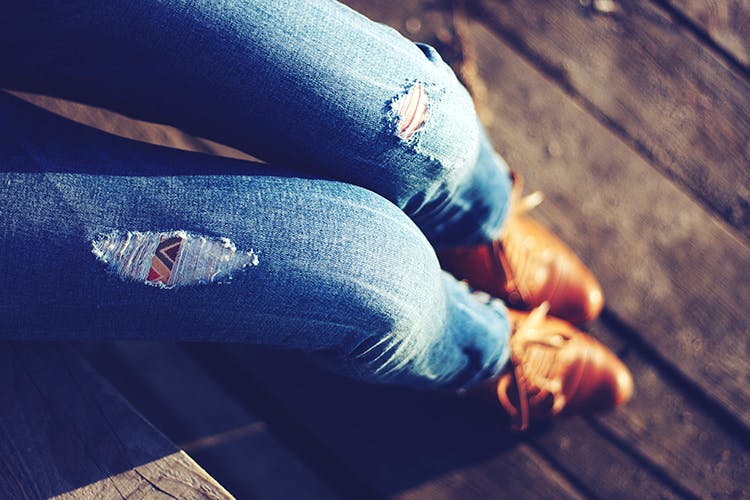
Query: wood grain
{"type": "Point", "coordinates": [649, 80]}
{"type": "Point", "coordinates": [64, 431]}
{"type": "Point", "coordinates": [669, 269]}
{"type": "Point", "coordinates": [390, 441]}
{"type": "Point", "coordinates": [673, 431]}
{"type": "Point", "coordinates": [172, 476]}
{"type": "Point", "coordinates": [182, 399]}
{"type": "Point", "coordinates": [726, 22]}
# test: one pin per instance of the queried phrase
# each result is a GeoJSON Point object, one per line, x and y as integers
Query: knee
{"type": "Point", "coordinates": [410, 319]}
{"type": "Point", "coordinates": [397, 298]}
{"type": "Point", "coordinates": [410, 314]}
{"type": "Point", "coordinates": [436, 129]}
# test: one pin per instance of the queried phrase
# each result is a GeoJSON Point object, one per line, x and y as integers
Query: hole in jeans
{"type": "Point", "coordinates": [411, 109]}
{"type": "Point", "coordinates": [171, 259]}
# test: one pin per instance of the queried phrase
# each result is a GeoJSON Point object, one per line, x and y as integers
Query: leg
{"type": "Point", "coordinates": [397, 122]}
{"type": "Point", "coordinates": [311, 85]}
{"type": "Point", "coordinates": [340, 271]}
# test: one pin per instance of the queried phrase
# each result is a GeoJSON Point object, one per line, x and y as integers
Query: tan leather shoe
{"type": "Point", "coordinates": [556, 369]}
{"type": "Point", "coordinates": [527, 266]}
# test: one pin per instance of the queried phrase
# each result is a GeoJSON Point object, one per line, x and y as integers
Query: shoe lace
{"type": "Point", "coordinates": [533, 359]}
{"type": "Point", "coordinates": [526, 203]}
{"type": "Point", "coordinates": [522, 204]}
{"type": "Point", "coordinates": [519, 261]}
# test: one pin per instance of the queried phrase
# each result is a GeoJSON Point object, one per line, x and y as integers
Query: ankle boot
{"type": "Point", "coordinates": [527, 265]}
{"type": "Point", "coordinates": [555, 369]}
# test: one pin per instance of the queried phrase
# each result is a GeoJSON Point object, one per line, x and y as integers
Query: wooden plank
{"type": "Point", "coordinates": [391, 441]}
{"type": "Point", "coordinates": [648, 79]}
{"type": "Point", "coordinates": [629, 236]}
{"type": "Point", "coordinates": [702, 453]}
{"type": "Point", "coordinates": [668, 268]}
{"type": "Point", "coordinates": [474, 482]}
{"type": "Point", "coordinates": [64, 431]}
{"type": "Point", "coordinates": [726, 22]}
{"type": "Point", "coordinates": [171, 476]}
{"type": "Point", "coordinates": [184, 401]}
{"type": "Point", "coordinates": [602, 466]}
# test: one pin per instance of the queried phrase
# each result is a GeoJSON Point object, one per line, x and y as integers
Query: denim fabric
{"type": "Point", "coordinates": [331, 253]}
{"type": "Point", "coordinates": [309, 85]}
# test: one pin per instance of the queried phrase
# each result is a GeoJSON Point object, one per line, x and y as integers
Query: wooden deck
{"type": "Point", "coordinates": [634, 119]}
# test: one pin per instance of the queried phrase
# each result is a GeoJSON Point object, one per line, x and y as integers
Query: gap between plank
{"type": "Point", "coordinates": [556, 76]}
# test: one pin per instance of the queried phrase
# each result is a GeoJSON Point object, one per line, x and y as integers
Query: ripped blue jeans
{"type": "Point", "coordinates": [375, 158]}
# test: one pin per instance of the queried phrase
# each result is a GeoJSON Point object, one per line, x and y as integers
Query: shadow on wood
{"type": "Point", "coordinates": [63, 429]}
{"type": "Point", "coordinates": [390, 440]}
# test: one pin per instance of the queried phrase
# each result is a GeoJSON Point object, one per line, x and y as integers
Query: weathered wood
{"type": "Point", "coordinates": [726, 22]}
{"type": "Point", "coordinates": [646, 78]}
{"type": "Point", "coordinates": [673, 430]}
{"type": "Point", "coordinates": [668, 268]}
{"type": "Point", "coordinates": [391, 441]}
{"type": "Point", "coordinates": [64, 431]}
{"type": "Point", "coordinates": [662, 424]}
{"type": "Point", "coordinates": [474, 482]}
{"type": "Point", "coordinates": [599, 464]}
{"type": "Point", "coordinates": [172, 476]}
{"type": "Point", "coordinates": [183, 400]}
